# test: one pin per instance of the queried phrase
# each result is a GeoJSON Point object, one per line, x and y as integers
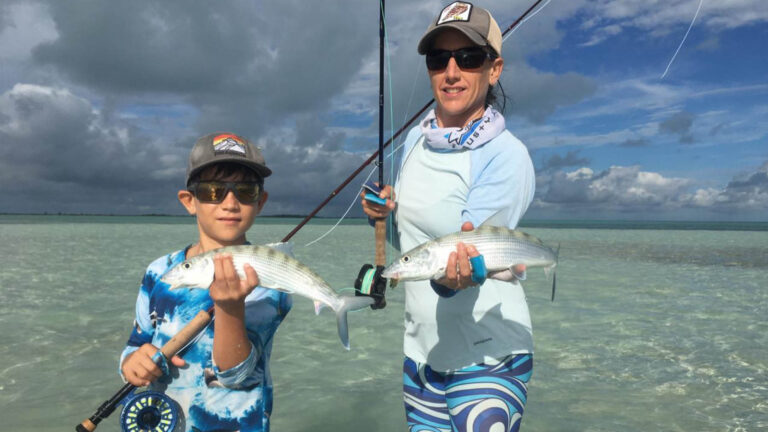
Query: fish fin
{"type": "Point", "coordinates": [508, 275]}
{"type": "Point", "coordinates": [349, 303]}
{"type": "Point", "coordinates": [554, 280]}
{"type": "Point", "coordinates": [318, 306]}
{"type": "Point", "coordinates": [276, 288]}
{"type": "Point", "coordinates": [554, 274]}
{"type": "Point", "coordinates": [284, 247]}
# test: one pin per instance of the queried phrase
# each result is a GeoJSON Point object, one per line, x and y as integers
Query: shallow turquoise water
{"type": "Point", "coordinates": [651, 329]}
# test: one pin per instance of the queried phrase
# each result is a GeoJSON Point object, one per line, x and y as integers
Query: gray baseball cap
{"type": "Point", "coordinates": [475, 22]}
{"type": "Point", "coordinates": [225, 147]}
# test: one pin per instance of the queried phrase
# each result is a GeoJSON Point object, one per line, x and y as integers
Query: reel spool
{"type": "Point", "coordinates": [370, 283]}
{"type": "Point", "coordinates": [149, 411]}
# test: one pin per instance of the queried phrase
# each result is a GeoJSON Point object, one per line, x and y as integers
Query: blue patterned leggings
{"type": "Point", "coordinates": [482, 398]}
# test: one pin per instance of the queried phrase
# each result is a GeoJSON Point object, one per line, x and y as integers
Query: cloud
{"type": "Point", "coordinates": [61, 154]}
{"type": "Point", "coordinates": [661, 19]}
{"type": "Point", "coordinates": [717, 128]}
{"type": "Point", "coordinates": [629, 189]}
{"type": "Point", "coordinates": [535, 95]}
{"type": "Point", "coordinates": [679, 124]}
{"type": "Point", "coordinates": [238, 62]}
{"type": "Point", "coordinates": [635, 142]}
{"type": "Point", "coordinates": [746, 192]}
{"type": "Point", "coordinates": [22, 27]}
{"type": "Point", "coordinates": [617, 188]}
{"type": "Point", "coordinates": [711, 44]}
{"type": "Point", "coordinates": [571, 158]}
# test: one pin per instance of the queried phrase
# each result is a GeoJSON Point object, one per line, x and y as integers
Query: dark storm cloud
{"type": "Point", "coordinates": [239, 59]}
{"type": "Point", "coordinates": [679, 124]}
{"type": "Point", "coordinates": [298, 164]}
{"type": "Point", "coordinates": [60, 152]}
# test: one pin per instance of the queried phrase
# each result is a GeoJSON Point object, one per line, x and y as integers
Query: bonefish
{"type": "Point", "coordinates": [502, 248]}
{"type": "Point", "coordinates": [276, 270]}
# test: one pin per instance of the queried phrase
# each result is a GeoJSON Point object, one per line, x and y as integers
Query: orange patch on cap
{"type": "Point", "coordinates": [218, 139]}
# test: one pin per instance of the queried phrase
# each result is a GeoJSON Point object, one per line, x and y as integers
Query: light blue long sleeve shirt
{"type": "Point", "coordinates": [436, 192]}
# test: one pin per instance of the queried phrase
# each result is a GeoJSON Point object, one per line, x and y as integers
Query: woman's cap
{"type": "Point", "coordinates": [475, 22]}
{"type": "Point", "coordinates": [225, 147]}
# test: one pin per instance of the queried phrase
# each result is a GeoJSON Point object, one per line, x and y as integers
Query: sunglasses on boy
{"type": "Point", "coordinates": [466, 58]}
{"type": "Point", "coordinates": [216, 191]}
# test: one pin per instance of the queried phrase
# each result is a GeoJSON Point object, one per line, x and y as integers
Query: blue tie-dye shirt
{"type": "Point", "coordinates": [238, 399]}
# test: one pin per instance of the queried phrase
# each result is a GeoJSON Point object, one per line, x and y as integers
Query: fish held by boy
{"type": "Point", "coordinates": [276, 270]}
{"type": "Point", "coordinates": [502, 248]}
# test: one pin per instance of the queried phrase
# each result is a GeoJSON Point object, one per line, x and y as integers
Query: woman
{"type": "Point", "coordinates": [468, 346]}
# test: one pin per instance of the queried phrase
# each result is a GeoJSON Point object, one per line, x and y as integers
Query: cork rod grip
{"type": "Point", "coordinates": [186, 334]}
{"type": "Point", "coordinates": [381, 242]}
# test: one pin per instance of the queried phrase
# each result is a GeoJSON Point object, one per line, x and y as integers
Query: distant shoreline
{"type": "Point", "coordinates": [42, 218]}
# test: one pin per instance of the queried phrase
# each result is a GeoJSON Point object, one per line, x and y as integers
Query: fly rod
{"type": "Point", "coordinates": [378, 154]}
{"type": "Point", "coordinates": [381, 224]}
{"type": "Point", "coordinates": [170, 349]}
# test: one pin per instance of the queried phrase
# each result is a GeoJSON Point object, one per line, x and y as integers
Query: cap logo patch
{"type": "Point", "coordinates": [456, 11]}
{"type": "Point", "coordinates": [228, 143]}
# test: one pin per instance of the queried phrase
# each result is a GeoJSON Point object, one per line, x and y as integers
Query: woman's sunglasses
{"type": "Point", "coordinates": [466, 58]}
{"type": "Point", "coordinates": [215, 192]}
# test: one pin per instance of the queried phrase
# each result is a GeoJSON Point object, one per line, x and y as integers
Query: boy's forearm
{"type": "Point", "coordinates": [231, 345]}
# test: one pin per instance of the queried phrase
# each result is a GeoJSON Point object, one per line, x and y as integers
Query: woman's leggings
{"type": "Point", "coordinates": [483, 398]}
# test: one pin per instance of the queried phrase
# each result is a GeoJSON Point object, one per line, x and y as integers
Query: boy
{"type": "Point", "coordinates": [223, 383]}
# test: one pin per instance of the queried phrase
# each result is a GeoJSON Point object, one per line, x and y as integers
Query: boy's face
{"type": "Point", "coordinates": [224, 223]}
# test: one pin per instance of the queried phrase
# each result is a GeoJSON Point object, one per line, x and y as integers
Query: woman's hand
{"type": "Point", "coordinates": [228, 291]}
{"type": "Point", "coordinates": [139, 369]}
{"type": "Point", "coordinates": [377, 211]}
{"type": "Point", "coordinates": [458, 270]}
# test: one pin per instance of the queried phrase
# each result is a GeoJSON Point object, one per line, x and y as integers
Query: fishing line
{"type": "Point", "coordinates": [354, 200]}
{"type": "Point", "coordinates": [388, 58]}
{"type": "Point", "coordinates": [701, 2]}
{"type": "Point", "coordinates": [523, 21]}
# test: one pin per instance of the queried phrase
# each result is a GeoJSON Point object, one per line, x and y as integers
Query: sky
{"type": "Point", "coordinates": [100, 102]}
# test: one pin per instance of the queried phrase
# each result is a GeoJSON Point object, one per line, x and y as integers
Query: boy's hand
{"type": "Point", "coordinates": [228, 291]}
{"type": "Point", "coordinates": [139, 369]}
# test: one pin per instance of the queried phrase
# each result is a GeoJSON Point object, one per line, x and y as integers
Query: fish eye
{"type": "Point", "coordinates": [187, 265]}
{"type": "Point", "coordinates": [406, 259]}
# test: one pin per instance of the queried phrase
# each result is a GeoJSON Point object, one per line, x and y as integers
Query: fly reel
{"type": "Point", "coordinates": [149, 411]}
{"type": "Point", "coordinates": [370, 283]}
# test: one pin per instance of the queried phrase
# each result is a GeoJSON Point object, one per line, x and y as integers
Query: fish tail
{"type": "Point", "coordinates": [349, 303]}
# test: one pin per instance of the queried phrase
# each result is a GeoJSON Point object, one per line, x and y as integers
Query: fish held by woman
{"type": "Point", "coordinates": [502, 248]}
{"type": "Point", "coordinates": [276, 270]}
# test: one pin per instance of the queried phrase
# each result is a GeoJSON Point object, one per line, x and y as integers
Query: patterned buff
{"type": "Point", "coordinates": [475, 134]}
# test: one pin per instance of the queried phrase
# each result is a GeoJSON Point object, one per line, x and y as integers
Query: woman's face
{"type": "Point", "coordinates": [460, 93]}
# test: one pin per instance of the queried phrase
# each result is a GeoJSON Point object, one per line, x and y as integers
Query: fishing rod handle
{"type": "Point", "coordinates": [170, 349]}
{"type": "Point", "coordinates": [381, 242]}
{"type": "Point", "coordinates": [186, 334]}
